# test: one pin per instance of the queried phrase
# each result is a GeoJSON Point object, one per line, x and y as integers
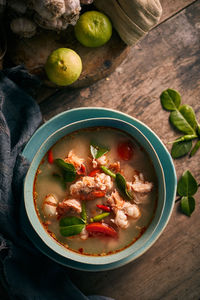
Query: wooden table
{"type": "Point", "coordinates": [168, 57]}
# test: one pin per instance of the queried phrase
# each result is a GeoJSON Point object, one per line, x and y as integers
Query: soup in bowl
{"type": "Point", "coordinates": [95, 191]}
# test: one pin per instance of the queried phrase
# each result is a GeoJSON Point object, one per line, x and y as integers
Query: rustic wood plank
{"type": "Point", "coordinates": [167, 57]}
{"type": "Point", "coordinates": [97, 62]}
{"type": "Point", "coordinates": [171, 7]}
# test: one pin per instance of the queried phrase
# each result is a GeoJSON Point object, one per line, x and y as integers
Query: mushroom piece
{"type": "Point", "coordinates": [23, 27]}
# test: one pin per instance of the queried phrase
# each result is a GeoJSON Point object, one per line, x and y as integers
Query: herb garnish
{"type": "Point", "coordinates": [69, 171]}
{"type": "Point", "coordinates": [183, 118]}
{"type": "Point", "coordinates": [70, 226]}
{"type": "Point", "coordinates": [187, 187]}
{"type": "Point", "coordinates": [98, 150]}
{"type": "Point", "coordinates": [120, 182]}
{"type": "Point", "coordinates": [122, 186]}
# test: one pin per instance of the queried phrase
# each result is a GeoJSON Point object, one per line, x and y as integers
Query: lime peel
{"type": "Point", "coordinates": [93, 29]}
{"type": "Point", "coordinates": [63, 66]}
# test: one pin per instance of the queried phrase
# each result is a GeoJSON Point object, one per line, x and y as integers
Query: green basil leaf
{"type": "Point", "coordinates": [97, 150]}
{"type": "Point", "coordinates": [83, 212]}
{"type": "Point", "coordinates": [69, 171]}
{"type": "Point", "coordinates": [180, 149]}
{"type": "Point", "coordinates": [180, 122]}
{"type": "Point", "coordinates": [68, 221]}
{"type": "Point", "coordinates": [195, 149]}
{"type": "Point", "coordinates": [189, 115]}
{"type": "Point", "coordinates": [71, 230]}
{"type": "Point", "coordinates": [187, 185]}
{"type": "Point", "coordinates": [170, 99]}
{"type": "Point", "coordinates": [121, 184]}
{"type": "Point", "coordinates": [187, 205]}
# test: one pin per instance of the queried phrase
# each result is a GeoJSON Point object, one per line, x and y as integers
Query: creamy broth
{"type": "Point", "coordinates": [46, 183]}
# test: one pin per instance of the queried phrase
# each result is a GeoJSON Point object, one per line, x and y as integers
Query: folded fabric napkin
{"type": "Point", "coordinates": [25, 272]}
{"type": "Point", "coordinates": [131, 18]}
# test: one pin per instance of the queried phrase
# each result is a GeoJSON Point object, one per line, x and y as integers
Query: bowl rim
{"type": "Point", "coordinates": [107, 259]}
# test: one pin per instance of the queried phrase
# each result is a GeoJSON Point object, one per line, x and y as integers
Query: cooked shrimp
{"type": "Point", "coordinates": [49, 206]}
{"type": "Point", "coordinates": [101, 161]}
{"type": "Point", "coordinates": [131, 210]}
{"type": "Point", "coordinates": [78, 162]}
{"type": "Point", "coordinates": [115, 200]}
{"type": "Point", "coordinates": [121, 219]}
{"type": "Point", "coordinates": [115, 166]}
{"type": "Point", "coordinates": [69, 204]}
{"type": "Point", "coordinates": [122, 210]}
{"type": "Point", "coordinates": [88, 188]}
{"type": "Point", "coordinates": [139, 185]}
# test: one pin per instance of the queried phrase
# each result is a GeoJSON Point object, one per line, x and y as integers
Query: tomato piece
{"type": "Point", "coordinates": [94, 172]}
{"type": "Point", "coordinates": [50, 156]}
{"type": "Point", "coordinates": [104, 207]}
{"type": "Point", "coordinates": [101, 228]}
{"type": "Point", "coordinates": [125, 150]}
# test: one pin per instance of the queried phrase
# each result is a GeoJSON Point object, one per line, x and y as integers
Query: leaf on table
{"type": "Point", "coordinates": [195, 149]}
{"type": "Point", "coordinates": [187, 205]}
{"type": "Point", "coordinates": [170, 99]}
{"type": "Point", "coordinates": [180, 149]}
{"type": "Point", "coordinates": [187, 185]}
{"type": "Point", "coordinates": [180, 122]}
{"type": "Point", "coordinates": [189, 115]}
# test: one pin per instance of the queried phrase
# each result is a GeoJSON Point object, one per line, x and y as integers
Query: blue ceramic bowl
{"type": "Point", "coordinates": [46, 243]}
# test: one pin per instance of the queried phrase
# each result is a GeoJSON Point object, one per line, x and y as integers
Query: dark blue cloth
{"type": "Point", "coordinates": [25, 273]}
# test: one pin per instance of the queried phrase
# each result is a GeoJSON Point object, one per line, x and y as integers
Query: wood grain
{"type": "Point", "coordinates": [171, 7]}
{"type": "Point", "coordinates": [97, 62]}
{"type": "Point", "coordinates": [167, 57]}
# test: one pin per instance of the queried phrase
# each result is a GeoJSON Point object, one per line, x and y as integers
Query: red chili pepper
{"type": "Point", "coordinates": [82, 169]}
{"type": "Point", "coordinates": [125, 150]}
{"type": "Point", "coordinates": [101, 228]}
{"type": "Point", "coordinates": [94, 172]}
{"type": "Point", "coordinates": [50, 156]}
{"type": "Point", "coordinates": [98, 194]}
{"type": "Point", "coordinates": [104, 207]}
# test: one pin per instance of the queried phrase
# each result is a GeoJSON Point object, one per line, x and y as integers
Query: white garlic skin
{"type": "Point", "coordinates": [23, 27]}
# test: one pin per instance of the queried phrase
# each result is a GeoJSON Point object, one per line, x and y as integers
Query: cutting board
{"type": "Point", "coordinates": [98, 62]}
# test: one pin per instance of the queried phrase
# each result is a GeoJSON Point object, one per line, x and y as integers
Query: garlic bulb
{"type": "Point", "coordinates": [23, 27]}
{"type": "Point", "coordinates": [49, 14]}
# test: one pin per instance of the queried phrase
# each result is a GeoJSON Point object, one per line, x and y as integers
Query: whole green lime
{"type": "Point", "coordinates": [63, 66]}
{"type": "Point", "coordinates": [93, 29]}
